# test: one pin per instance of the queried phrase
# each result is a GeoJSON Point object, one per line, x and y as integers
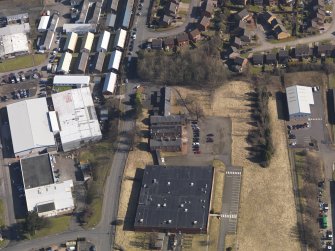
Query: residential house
{"type": "Point", "coordinates": [171, 8]}
{"type": "Point", "coordinates": [243, 15]}
{"type": "Point", "coordinates": [271, 59]}
{"type": "Point", "coordinates": [182, 39]}
{"type": "Point", "coordinates": [302, 51]}
{"type": "Point", "coordinates": [239, 63]}
{"type": "Point", "coordinates": [239, 28]}
{"type": "Point", "coordinates": [325, 50]}
{"type": "Point", "coordinates": [283, 57]}
{"type": "Point", "coordinates": [258, 59]}
{"type": "Point", "coordinates": [268, 17]}
{"type": "Point", "coordinates": [232, 52]}
{"type": "Point", "coordinates": [165, 21]}
{"type": "Point", "coordinates": [245, 36]}
{"type": "Point", "coordinates": [204, 23]}
{"type": "Point", "coordinates": [194, 35]}
{"type": "Point", "coordinates": [169, 43]}
{"type": "Point", "coordinates": [157, 44]}
{"type": "Point", "coordinates": [209, 8]}
{"type": "Point", "coordinates": [280, 32]}
{"type": "Point", "coordinates": [237, 42]}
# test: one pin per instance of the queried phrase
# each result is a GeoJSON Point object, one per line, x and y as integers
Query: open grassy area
{"type": "Point", "coordinates": [57, 225]}
{"type": "Point", "coordinates": [62, 88]}
{"type": "Point", "coordinates": [2, 216]}
{"type": "Point", "coordinates": [22, 62]}
{"type": "Point", "coordinates": [275, 41]}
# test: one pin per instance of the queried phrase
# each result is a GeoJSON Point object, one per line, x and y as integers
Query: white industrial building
{"type": "Point", "coordinates": [64, 63]}
{"type": "Point", "coordinates": [299, 100]}
{"type": "Point", "coordinates": [13, 40]}
{"type": "Point", "coordinates": [45, 194]}
{"type": "Point", "coordinates": [77, 118]}
{"type": "Point", "coordinates": [87, 42]}
{"type": "Point", "coordinates": [29, 126]}
{"type": "Point", "coordinates": [43, 24]}
{"type": "Point", "coordinates": [71, 80]}
{"type": "Point", "coordinates": [103, 41]}
{"type": "Point", "coordinates": [110, 20]}
{"type": "Point", "coordinates": [120, 38]}
{"type": "Point", "coordinates": [71, 41]}
{"type": "Point", "coordinates": [79, 28]}
{"type": "Point", "coordinates": [115, 60]}
{"type": "Point", "coordinates": [110, 83]}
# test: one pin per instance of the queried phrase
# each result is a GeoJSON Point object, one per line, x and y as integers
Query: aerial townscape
{"type": "Point", "coordinates": [184, 125]}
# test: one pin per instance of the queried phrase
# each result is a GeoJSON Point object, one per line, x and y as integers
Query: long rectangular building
{"type": "Point", "coordinates": [82, 62]}
{"type": "Point", "coordinates": [77, 118]}
{"type": "Point", "coordinates": [71, 80]}
{"type": "Point", "coordinates": [64, 63]}
{"type": "Point", "coordinates": [115, 60]}
{"type": "Point", "coordinates": [48, 39]}
{"type": "Point", "coordinates": [110, 83]}
{"type": "Point", "coordinates": [29, 126]}
{"type": "Point", "coordinates": [99, 62]}
{"type": "Point", "coordinates": [43, 24]}
{"type": "Point", "coordinates": [71, 41]}
{"type": "Point", "coordinates": [103, 41]}
{"type": "Point", "coordinates": [79, 28]}
{"type": "Point", "coordinates": [114, 5]}
{"type": "Point", "coordinates": [87, 42]}
{"type": "Point", "coordinates": [128, 13]}
{"type": "Point", "coordinates": [110, 20]}
{"type": "Point", "coordinates": [120, 38]}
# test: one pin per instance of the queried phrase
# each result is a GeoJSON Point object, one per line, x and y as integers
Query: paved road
{"type": "Point", "coordinates": [103, 234]}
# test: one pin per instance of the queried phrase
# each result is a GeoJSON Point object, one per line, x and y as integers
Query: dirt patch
{"type": "Point", "coordinates": [309, 78]}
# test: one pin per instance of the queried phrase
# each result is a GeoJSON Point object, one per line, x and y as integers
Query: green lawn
{"type": "Point", "coordinates": [331, 83]}
{"type": "Point", "coordinates": [275, 41]}
{"type": "Point", "coordinates": [62, 88]}
{"type": "Point", "coordinates": [57, 225]}
{"type": "Point", "coordinates": [22, 62]}
{"type": "Point", "coordinates": [2, 216]}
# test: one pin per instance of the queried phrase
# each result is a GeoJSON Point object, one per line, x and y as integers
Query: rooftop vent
{"type": "Point", "coordinates": [169, 221]}
{"type": "Point", "coordinates": [185, 210]}
{"type": "Point", "coordinates": [181, 205]}
{"type": "Point", "coordinates": [140, 220]}
{"type": "Point", "coordinates": [164, 205]}
{"type": "Point", "coordinates": [191, 184]}
{"type": "Point", "coordinates": [194, 222]}
{"type": "Point", "coordinates": [169, 183]}
{"type": "Point", "coordinates": [154, 181]}
{"type": "Point", "coordinates": [158, 205]}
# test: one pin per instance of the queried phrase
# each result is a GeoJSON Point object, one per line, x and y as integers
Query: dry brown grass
{"type": "Point", "coordinates": [267, 216]}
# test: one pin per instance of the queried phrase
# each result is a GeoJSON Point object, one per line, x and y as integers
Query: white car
{"type": "Point", "coordinates": [133, 36]}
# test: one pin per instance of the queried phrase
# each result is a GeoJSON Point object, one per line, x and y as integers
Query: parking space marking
{"type": "Point", "coordinates": [315, 119]}
{"type": "Point", "coordinates": [229, 216]}
{"type": "Point", "coordinates": [233, 173]}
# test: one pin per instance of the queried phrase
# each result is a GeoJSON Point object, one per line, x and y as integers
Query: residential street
{"type": "Point", "coordinates": [103, 234]}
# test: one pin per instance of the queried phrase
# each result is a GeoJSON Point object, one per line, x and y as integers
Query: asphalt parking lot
{"type": "Point", "coordinates": [217, 130]}
{"type": "Point", "coordinates": [313, 135]}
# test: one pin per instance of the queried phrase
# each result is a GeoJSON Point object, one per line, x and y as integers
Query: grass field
{"type": "Point", "coordinates": [62, 88]}
{"type": "Point", "coordinates": [57, 225]}
{"type": "Point", "coordinates": [2, 216]}
{"type": "Point", "coordinates": [22, 62]}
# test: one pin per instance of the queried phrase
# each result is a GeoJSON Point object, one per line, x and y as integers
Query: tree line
{"type": "Point", "coordinates": [201, 67]}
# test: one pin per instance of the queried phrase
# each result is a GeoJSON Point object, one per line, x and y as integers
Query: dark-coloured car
{"type": "Point", "coordinates": [210, 135]}
{"type": "Point", "coordinates": [209, 140]}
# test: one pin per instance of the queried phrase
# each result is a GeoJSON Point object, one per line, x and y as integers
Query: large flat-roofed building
{"type": "Point", "coordinates": [43, 194]}
{"type": "Point", "coordinates": [110, 83]}
{"type": "Point", "coordinates": [113, 5]}
{"type": "Point", "coordinates": [87, 42]}
{"type": "Point", "coordinates": [71, 41]}
{"type": "Point", "coordinates": [13, 40]}
{"type": "Point", "coordinates": [48, 39]}
{"type": "Point", "coordinates": [175, 199]}
{"type": "Point", "coordinates": [299, 100]}
{"type": "Point", "coordinates": [64, 63]}
{"type": "Point", "coordinates": [103, 41]}
{"type": "Point", "coordinates": [71, 80]}
{"type": "Point", "coordinates": [77, 118]}
{"type": "Point", "coordinates": [120, 38]}
{"type": "Point", "coordinates": [43, 24]}
{"type": "Point", "coordinates": [29, 126]}
{"type": "Point", "coordinates": [110, 20]}
{"type": "Point", "coordinates": [115, 60]}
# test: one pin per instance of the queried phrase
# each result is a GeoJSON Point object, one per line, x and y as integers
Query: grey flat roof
{"type": "Point", "coordinates": [174, 198]}
{"type": "Point", "coordinates": [36, 171]}
{"type": "Point", "coordinates": [165, 119]}
{"type": "Point", "coordinates": [46, 207]}
{"type": "Point", "coordinates": [165, 143]}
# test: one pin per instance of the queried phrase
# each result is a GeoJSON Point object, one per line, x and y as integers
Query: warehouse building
{"type": "Point", "coordinates": [114, 5]}
{"type": "Point", "coordinates": [127, 14]}
{"type": "Point", "coordinates": [82, 62]}
{"type": "Point", "coordinates": [110, 21]}
{"type": "Point", "coordinates": [44, 194]}
{"type": "Point", "coordinates": [54, 22]}
{"type": "Point", "coordinates": [13, 40]}
{"type": "Point", "coordinates": [87, 42]}
{"type": "Point", "coordinates": [64, 63]}
{"type": "Point", "coordinates": [96, 13]}
{"type": "Point", "coordinates": [77, 118]}
{"type": "Point", "coordinates": [299, 100]}
{"type": "Point", "coordinates": [71, 41]}
{"type": "Point", "coordinates": [79, 28]}
{"type": "Point", "coordinates": [43, 24]}
{"type": "Point", "coordinates": [103, 41]}
{"type": "Point", "coordinates": [110, 83]}
{"type": "Point", "coordinates": [175, 199]}
{"type": "Point", "coordinates": [71, 80]}
{"type": "Point", "coordinates": [84, 11]}
{"type": "Point", "coordinates": [99, 62]}
{"type": "Point", "coordinates": [120, 38]}
{"type": "Point", "coordinates": [48, 39]}
{"type": "Point", "coordinates": [115, 60]}
{"type": "Point", "coordinates": [35, 135]}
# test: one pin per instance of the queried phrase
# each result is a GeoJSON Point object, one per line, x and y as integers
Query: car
{"type": "Point", "coordinates": [293, 143]}
{"type": "Point", "coordinates": [196, 144]}
{"type": "Point", "coordinates": [329, 246]}
{"type": "Point", "coordinates": [292, 136]}
{"type": "Point", "coordinates": [194, 122]}
{"type": "Point", "coordinates": [329, 234]}
{"type": "Point", "coordinates": [139, 13]}
{"type": "Point", "coordinates": [209, 140]}
{"type": "Point", "coordinates": [325, 207]}
{"type": "Point", "coordinates": [133, 36]}
{"type": "Point", "coordinates": [196, 152]}
{"type": "Point", "coordinates": [210, 135]}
